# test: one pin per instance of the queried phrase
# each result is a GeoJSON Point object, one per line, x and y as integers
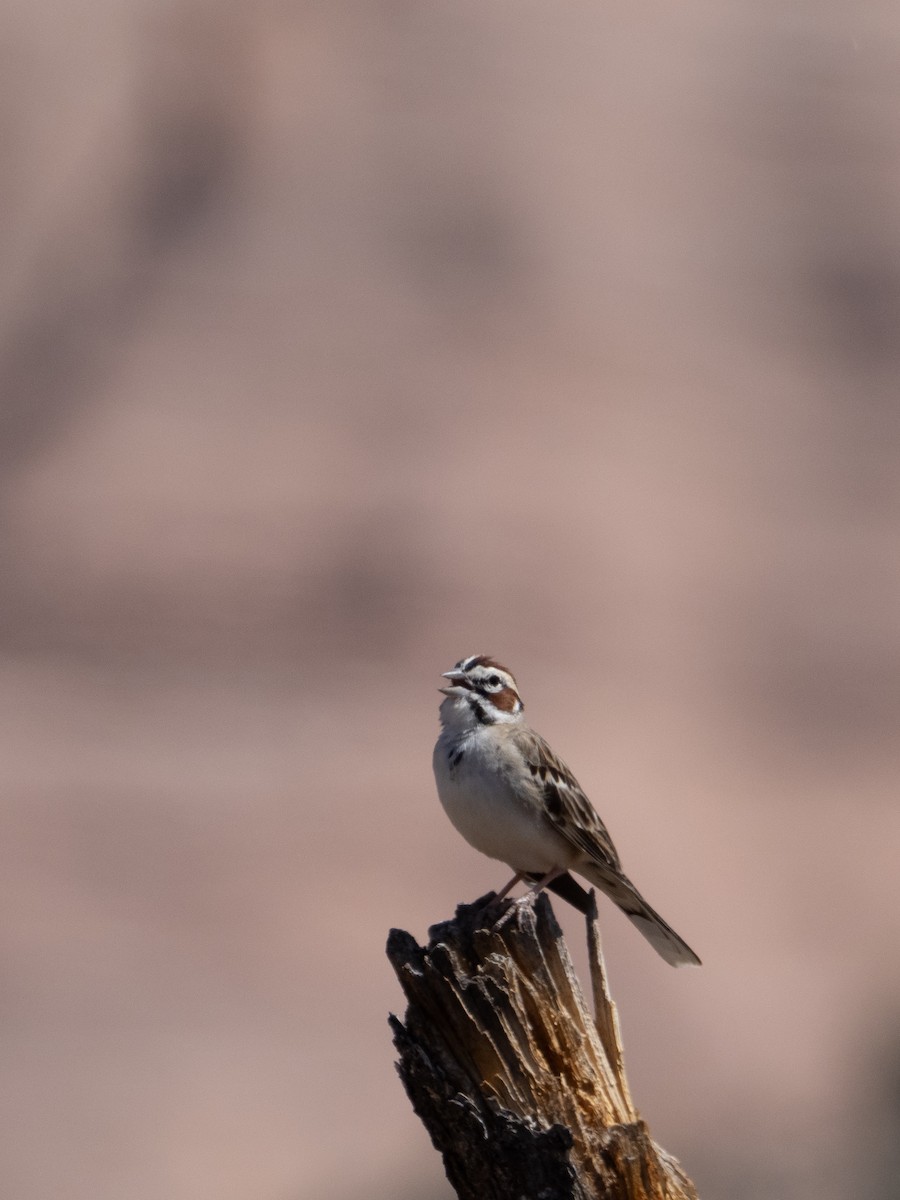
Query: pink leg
{"type": "Point", "coordinates": [509, 887]}
{"type": "Point", "coordinates": [532, 893]}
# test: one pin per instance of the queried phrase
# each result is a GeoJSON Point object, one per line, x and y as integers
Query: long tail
{"type": "Point", "coordinates": [661, 936]}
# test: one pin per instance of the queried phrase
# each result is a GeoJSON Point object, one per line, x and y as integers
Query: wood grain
{"type": "Point", "coordinates": [521, 1090]}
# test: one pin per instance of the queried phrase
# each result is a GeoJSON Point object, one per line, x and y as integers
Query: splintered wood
{"type": "Point", "coordinates": [521, 1091]}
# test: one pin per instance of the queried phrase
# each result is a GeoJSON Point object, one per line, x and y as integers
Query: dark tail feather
{"type": "Point", "coordinates": [661, 936]}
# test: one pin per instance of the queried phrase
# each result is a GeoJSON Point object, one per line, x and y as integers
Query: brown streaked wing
{"type": "Point", "coordinates": [568, 808]}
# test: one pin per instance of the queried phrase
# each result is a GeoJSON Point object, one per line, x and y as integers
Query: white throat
{"type": "Point", "coordinates": [465, 714]}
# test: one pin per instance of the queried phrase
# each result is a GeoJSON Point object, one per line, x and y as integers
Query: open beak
{"type": "Point", "coordinates": [454, 676]}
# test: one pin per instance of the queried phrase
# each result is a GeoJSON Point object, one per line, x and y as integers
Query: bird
{"type": "Point", "coordinates": [513, 799]}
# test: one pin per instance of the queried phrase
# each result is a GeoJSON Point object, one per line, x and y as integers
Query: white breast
{"type": "Point", "coordinates": [475, 777]}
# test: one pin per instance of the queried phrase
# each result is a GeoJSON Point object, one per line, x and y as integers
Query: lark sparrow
{"type": "Point", "coordinates": [511, 798]}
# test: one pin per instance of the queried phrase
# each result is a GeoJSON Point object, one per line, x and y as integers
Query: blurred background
{"type": "Point", "coordinates": [337, 342]}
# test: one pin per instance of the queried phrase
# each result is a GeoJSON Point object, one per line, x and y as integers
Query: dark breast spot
{"type": "Point", "coordinates": [455, 758]}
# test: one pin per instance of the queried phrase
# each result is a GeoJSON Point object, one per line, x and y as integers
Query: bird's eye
{"type": "Point", "coordinates": [493, 680]}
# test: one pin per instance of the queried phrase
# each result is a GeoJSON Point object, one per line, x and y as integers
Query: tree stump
{"type": "Point", "coordinates": [522, 1092]}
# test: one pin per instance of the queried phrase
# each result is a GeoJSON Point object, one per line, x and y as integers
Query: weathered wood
{"type": "Point", "coordinates": [522, 1092]}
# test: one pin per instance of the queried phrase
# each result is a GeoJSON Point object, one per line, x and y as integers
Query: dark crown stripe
{"type": "Point", "coordinates": [481, 660]}
{"type": "Point", "coordinates": [466, 664]}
